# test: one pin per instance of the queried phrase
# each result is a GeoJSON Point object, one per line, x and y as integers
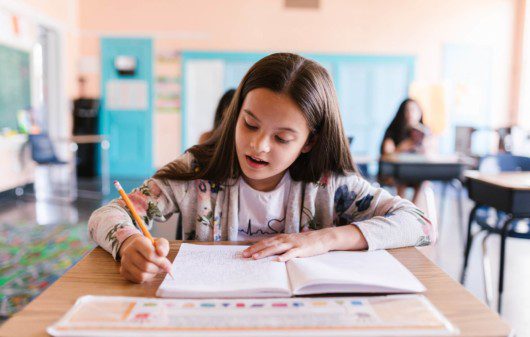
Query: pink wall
{"type": "Point", "coordinates": [64, 11]}
{"type": "Point", "coordinates": [413, 27]}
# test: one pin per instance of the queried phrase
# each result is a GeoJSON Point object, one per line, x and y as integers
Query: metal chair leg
{"type": "Point", "coordinates": [486, 267]}
{"type": "Point", "coordinates": [460, 205]}
{"type": "Point", "coordinates": [469, 241]}
{"type": "Point", "coordinates": [504, 234]}
{"type": "Point", "coordinates": [442, 206]}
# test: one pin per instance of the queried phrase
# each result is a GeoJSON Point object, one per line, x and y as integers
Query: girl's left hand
{"type": "Point", "coordinates": [292, 245]}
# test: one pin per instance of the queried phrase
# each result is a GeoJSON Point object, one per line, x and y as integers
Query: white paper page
{"type": "Point", "coordinates": [221, 271]}
{"type": "Point", "coordinates": [376, 271]}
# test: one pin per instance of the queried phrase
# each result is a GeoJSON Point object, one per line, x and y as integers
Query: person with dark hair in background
{"type": "Point", "coordinates": [405, 134]}
{"type": "Point", "coordinates": [224, 102]}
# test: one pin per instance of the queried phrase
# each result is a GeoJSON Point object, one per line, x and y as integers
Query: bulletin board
{"type": "Point", "coordinates": [15, 90]}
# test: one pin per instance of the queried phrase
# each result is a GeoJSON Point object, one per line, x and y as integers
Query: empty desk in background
{"type": "Point", "coordinates": [104, 164]}
{"type": "Point", "coordinates": [508, 192]}
{"type": "Point", "coordinates": [415, 168]}
{"type": "Point", "coordinates": [98, 274]}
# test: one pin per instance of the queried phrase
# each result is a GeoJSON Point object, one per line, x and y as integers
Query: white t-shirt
{"type": "Point", "coordinates": [262, 214]}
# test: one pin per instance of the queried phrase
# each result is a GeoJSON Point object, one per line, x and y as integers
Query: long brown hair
{"type": "Point", "coordinates": [309, 85]}
{"type": "Point", "coordinates": [398, 128]}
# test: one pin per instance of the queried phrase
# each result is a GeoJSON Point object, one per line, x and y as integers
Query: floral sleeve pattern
{"type": "Point", "coordinates": [427, 227]}
{"type": "Point", "coordinates": [110, 225]}
{"type": "Point", "coordinates": [343, 201]}
{"type": "Point", "coordinates": [385, 221]}
{"type": "Point", "coordinates": [145, 202]}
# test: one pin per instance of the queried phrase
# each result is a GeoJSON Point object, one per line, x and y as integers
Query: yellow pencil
{"type": "Point", "coordinates": [136, 216]}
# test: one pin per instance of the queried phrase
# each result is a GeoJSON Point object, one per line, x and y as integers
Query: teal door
{"type": "Point", "coordinates": [127, 105]}
{"type": "Point", "coordinates": [370, 92]}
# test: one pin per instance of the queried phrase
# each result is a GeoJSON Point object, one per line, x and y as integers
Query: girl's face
{"type": "Point", "coordinates": [412, 113]}
{"type": "Point", "coordinates": [271, 132]}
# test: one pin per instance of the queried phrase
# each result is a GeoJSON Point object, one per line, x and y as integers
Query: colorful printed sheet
{"type": "Point", "coordinates": [344, 316]}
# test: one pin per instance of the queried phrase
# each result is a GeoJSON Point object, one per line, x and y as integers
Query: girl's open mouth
{"type": "Point", "coordinates": [256, 163]}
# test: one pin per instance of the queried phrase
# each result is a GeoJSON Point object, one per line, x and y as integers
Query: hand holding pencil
{"type": "Point", "coordinates": [142, 257]}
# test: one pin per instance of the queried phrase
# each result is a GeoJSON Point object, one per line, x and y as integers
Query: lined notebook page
{"type": "Point", "coordinates": [221, 271]}
{"type": "Point", "coordinates": [373, 271]}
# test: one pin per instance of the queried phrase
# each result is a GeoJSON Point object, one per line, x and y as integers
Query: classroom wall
{"type": "Point", "coordinates": [61, 16]}
{"type": "Point", "coordinates": [423, 28]}
{"type": "Point", "coordinates": [383, 27]}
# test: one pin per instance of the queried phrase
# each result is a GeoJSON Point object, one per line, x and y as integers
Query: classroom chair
{"type": "Point", "coordinates": [43, 153]}
{"type": "Point", "coordinates": [42, 150]}
{"type": "Point", "coordinates": [493, 221]}
{"type": "Point", "coordinates": [463, 139]}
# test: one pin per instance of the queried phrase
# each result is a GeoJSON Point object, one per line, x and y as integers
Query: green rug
{"type": "Point", "coordinates": [32, 257]}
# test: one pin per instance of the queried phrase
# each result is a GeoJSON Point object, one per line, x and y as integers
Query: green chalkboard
{"type": "Point", "coordinates": [15, 90]}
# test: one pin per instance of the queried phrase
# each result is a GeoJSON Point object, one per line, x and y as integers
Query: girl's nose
{"type": "Point", "coordinates": [260, 143]}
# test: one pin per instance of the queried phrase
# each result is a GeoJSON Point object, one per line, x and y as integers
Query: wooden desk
{"type": "Point", "coordinates": [97, 274]}
{"type": "Point", "coordinates": [508, 192]}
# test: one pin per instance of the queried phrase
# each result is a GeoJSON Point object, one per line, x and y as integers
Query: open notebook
{"type": "Point", "coordinates": [214, 271]}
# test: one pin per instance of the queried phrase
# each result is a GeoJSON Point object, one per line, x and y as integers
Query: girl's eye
{"type": "Point", "coordinates": [251, 127]}
{"type": "Point", "coordinates": [281, 140]}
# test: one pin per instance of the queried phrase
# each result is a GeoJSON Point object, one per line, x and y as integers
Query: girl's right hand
{"type": "Point", "coordinates": [140, 261]}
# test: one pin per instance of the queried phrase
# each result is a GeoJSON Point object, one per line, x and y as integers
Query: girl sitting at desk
{"type": "Point", "coordinates": [278, 171]}
{"type": "Point", "coordinates": [405, 134]}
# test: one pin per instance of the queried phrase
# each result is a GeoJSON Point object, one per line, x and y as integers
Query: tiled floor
{"type": "Point", "coordinates": [447, 253]}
